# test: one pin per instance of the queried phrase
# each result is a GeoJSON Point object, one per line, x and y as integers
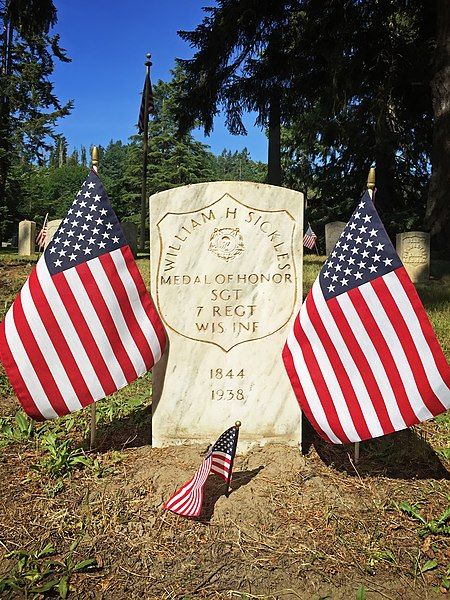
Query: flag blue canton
{"type": "Point", "coordinates": [362, 253]}
{"type": "Point", "coordinates": [89, 230]}
{"type": "Point", "coordinates": [225, 443]}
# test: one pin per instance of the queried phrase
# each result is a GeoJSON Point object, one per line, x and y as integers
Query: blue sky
{"type": "Point", "coordinates": [107, 41]}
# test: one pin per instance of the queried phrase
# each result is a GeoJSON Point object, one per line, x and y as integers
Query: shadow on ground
{"type": "Point", "coordinates": [132, 431]}
{"type": "Point", "coordinates": [215, 488]}
{"type": "Point", "coordinates": [401, 455]}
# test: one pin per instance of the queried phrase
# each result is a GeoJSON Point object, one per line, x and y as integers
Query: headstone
{"type": "Point", "coordinates": [413, 247]}
{"type": "Point", "coordinates": [52, 226]}
{"type": "Point", "coordinates": [27, 238]}
{"type": "Point", "coordinates": [130, 232]}
{"type": "Point", "coordinates": [226, 276]}
{"type": "Point", "coordinates": [332, 234]}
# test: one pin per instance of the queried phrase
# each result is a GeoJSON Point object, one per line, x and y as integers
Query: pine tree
{"type": "Point", "coordinates": [28, 107]}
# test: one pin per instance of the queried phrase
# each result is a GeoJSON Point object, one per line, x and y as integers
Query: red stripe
{"type": "Point", "coordinates": [127, 310]}
{"type": "Point", "coordinates": [342, 377]}
{"type": "Point", "coordinates": [362, 364]}
{"type": "Point", "coordinates": [427, 329]}
{"type": "Point", "coordinates": [382, 348]}
{"type": "Point", "coordinates": [395, 316]}
{"type": "Point", "coordinates": [58, 341]}
{"type": "Point", "coordinates": [101, 308]}
{"type": "Point", "coordinates": [84, 333]}
{"type": "Point", "coordinates": [299, 393]}
{"type": "Point", "coordinates": [37, 359]}
{"type": "Point", "coordinates": [315, 371]}
{"type": "Point", "coordinates": [144, 296]}
{"type": "Point", "coordinates": [19, 385]}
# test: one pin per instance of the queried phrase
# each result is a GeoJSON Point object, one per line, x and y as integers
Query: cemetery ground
{"type": "Point", "coordinates": [81, 524]}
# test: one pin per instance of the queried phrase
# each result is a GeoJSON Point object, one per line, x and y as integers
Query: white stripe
{"type": "Point", "coordinates": [26, 369]}
{"type": "Point", "coordinates": [136, 304]}
{"type": "Point", "coordinates": [395, 346]}
{"type": "Point", "coordinates": [376, 364]}
{"type": "Point", "coordinates": [357, 382]}
{"type": "Point", "coordinates": [51, 357]}
{"type": "Point", "coordinates": [308, 387]}
{"type": "Point", "coordinates": [110, 298]}
{"type": "Point", "coordinates": [68, 330]}
{"type": "Point", "coordinates": [96, 328]}
{"type": "Point", "coordinates": [329, 376]}
{"type": "Point", "coordinates": [437, 384]}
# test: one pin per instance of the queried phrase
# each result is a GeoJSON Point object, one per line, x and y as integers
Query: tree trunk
{"type": "Point", "coordinates": [437, 217]}
{"type": "Point", "coordinates": [274, 154]}
{"type": "Point", "coordinates": [5, 119]}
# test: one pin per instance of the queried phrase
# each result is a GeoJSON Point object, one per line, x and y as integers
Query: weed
{"type": "Point", "coordinates": [17, 429]}
{"type": "Point", "coordinates": [59, 459]}
{"type": "Point", "coordinates": [37, 573]}
{"type": "Point", "coordinates": [435, 526]}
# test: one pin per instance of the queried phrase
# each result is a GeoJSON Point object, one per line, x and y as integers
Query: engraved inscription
{"type": "Point", "coordinates": [414, 251]}
{"type": "Point", "coordinates": [233, 270]}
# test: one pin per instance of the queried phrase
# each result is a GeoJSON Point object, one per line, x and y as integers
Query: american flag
{"type": "Point", "coordinates": [188, 500]}
{"type": "Point", "coordinates": [147, 92]}
{"type": "Point", "coordinates": [309, 239]}
{"type": "Point", "coordinates": [40, 238]}
{"type": "Point", "coordinates": [362, 356]}
{"type": "Point", "coordinates": [83, 325]}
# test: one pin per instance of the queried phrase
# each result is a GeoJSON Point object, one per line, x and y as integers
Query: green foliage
{"type": "Point", "coordinates": [361, 593]}
{"type": "Point", "coordinates": [59, 459]}
{"type": "Point", "coordinates": [36, 574]}
{"type": "Point", "coordinates": [435, 526]}
{"type": "Point", "coordinates": [29, 109]}
{"type": "Point", "coordinates": [17, 429]}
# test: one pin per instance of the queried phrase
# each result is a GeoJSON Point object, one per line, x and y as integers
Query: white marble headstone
{"type": "Point", "coordinates": [52, 227]}
{"type": "Point", "coordinates": [413, 247]}
{"type": "Point", "coordinates": [226, 276]}
{"type": "Point", "coordinates": [27, 238]}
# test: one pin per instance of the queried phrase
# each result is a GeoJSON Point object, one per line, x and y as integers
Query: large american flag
{"type": "Point", "coordinates": [188, 500]}
{"type": "Point", "coordinates": [362, 356]}
{"type": "Point", "coordinates": [83, 325]}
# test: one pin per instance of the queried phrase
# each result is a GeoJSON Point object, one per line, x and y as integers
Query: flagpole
{"type": "Point", "coordinates": [93, 405]}
{"type": "Point", "coordinates": [236, 426]}
{"type": "Point", "coordinates": [370, 190]}
{"type": "Point", "coordinates": [148, 64]}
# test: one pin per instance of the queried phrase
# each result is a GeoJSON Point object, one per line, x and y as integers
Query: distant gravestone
{"type": "Point", "coordinates": [226, 276]}
{"type": "Point", "coordinates": [27, 238]}
{"type": "Point", "coordinates": [332, 234]}
{"type": "Point", "coordinates": [130, 232]}
{"type": "Point", "coordinates": [52, 226]}
{"type": "Point", "coordinates": [413, 247]}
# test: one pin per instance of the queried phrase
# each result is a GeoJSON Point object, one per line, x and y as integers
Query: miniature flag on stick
{"type": "Point", "coordinates": [188, 500]}
{"type": "Point", "coordinates": [362, 356]}
{"type": "Point", "coordinates": [309, 239]}
{"type": "Point", "coordinates": [40, 238]}
{"type": "Point", "coordinates": [83, 325]}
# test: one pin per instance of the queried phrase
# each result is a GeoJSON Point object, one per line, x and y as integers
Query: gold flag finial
{"type": "Point", "coordinates": [371, 179]}
{"type": "Point", "coordinates": [95, 158]}
{"type": "Point", "coordinates": [237, 424]}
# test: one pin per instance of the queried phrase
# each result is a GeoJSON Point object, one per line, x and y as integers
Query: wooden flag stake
{"type": "Point", "coordinates": [236, 425]}
{"type": "Point", "coordinates": [371, 190]}
{"type": "Point", "coordinates": [93, 405]}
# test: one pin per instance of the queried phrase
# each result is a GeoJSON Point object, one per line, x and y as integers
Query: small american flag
{"type": "Point", "coordinates": [146, 93]}
{"type": "Point", "coordinates": [188, 500]}
{"type": "Point", "coordinates": [362, 356]}
{"type": "Point", "coordinates": [83, 325]}
{"type": "Point", "coordinates": [40, 238]}
{"type": "Point", "coordinates": [309, 239]}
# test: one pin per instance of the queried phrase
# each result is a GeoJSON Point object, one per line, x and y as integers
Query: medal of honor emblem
{"type": "Point", "coordinates": [226, 243]}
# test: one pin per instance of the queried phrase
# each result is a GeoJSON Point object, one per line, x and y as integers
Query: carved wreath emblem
{"type": "Point", "coordinates": [226, 243]}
